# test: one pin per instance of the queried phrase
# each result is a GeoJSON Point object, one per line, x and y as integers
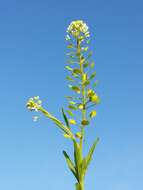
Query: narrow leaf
{"type": "Point", "coordinates": [76, 89]}
{"type": "Point", "coordinates": [92, 76]}
{"type": "Point", "coordinates": [70, 164]}
{"type": "Point", "coordinates": [77, 159]}
{"type": "Point", "coordinates": [69, 68]}
{"type": "Point", "coordinates": [65, 118]}
{"type": "Point", "coordinates": [70, 113]}
{"type": "Point", "coordinates": [72, 107]}
{"type": "Point", "coordinates": [90, 154]}
{"type": "Point", "coordinates": [69, 79]}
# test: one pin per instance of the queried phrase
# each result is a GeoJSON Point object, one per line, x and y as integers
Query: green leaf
{"type": "Point", "coordinates": [92, 65]}
{"type": "Point", "coordinates": [69, 79]}
{"type": "Point", "coordinates": [68, 68]}
{"type": "Point", "coordinates": [65, 118]}
{"type": "Point", "coordinates": [70, 113]}
{"type": "Point", "coordinates": [92, 76]}
{"type": "Point", "coordinates": [72, 107]}
{"type": "Point", "coordinates": [69, 97]}
{"type": "Point", "coordinates": [72, 103]}
{"type": "Point", "coordinates": [77, 159]}
{"type": "Point", "coordinates": [76, 89]}
{"type": "Point", "coordinates": [88, 158]}
{"type": "Point", "coordinates": [86, 83]}
{"type": "Point", "coordinates": [89, 55]}
{"type": "Point", "coordinates": [70, 164]}
{"type": "Point", "coordinates": [95, 83]}
{"type": "Point", "coordinates": [85, 65]}
{"type": "Point", "coordinates": [77, 71]}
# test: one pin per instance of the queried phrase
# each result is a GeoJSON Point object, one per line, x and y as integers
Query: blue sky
{"type": "Point", "coordinates": [32, 61]}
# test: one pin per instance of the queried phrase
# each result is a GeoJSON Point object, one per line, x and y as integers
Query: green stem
{"type": "Point", "coordinates": [80, 185]}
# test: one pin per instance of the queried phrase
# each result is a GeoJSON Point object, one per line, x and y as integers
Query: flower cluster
{"type": "Point", "coordinates": [77, 28]}
{"type": "Point", "coordinates": [34, 103]}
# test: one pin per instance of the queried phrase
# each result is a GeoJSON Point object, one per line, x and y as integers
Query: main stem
{"type": "Point", "coordinates": [81, 183]}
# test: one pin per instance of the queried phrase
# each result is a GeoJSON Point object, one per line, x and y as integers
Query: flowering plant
{"type": "Point", "coordinates": [80, 103]}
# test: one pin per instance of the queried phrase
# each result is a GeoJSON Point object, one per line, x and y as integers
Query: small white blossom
{"type": "Point", "coordinates": [77, 27]}
{"type": "Point", "coordinates": [34, 103]}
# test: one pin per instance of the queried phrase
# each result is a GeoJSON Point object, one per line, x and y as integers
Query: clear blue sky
{"type": "Point", "coordinates": [32, 60]}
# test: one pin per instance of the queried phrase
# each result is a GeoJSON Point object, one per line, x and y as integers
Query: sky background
{"type": "Point", "coordinates": [32, 61]}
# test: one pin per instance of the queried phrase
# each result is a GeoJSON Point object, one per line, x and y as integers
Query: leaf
{"type": "Point", "coordinates": [70, 164]}
{"type": "Point", "coordinates": [92, 76]}
{"type": "Point", "coordinates": [65, 118]}
{"type": "Point", "coordinates": [68, 68]}
{"type": "Point", "coordinates": [95, 83]}
{"type": "Point", "coordinates": [72, 107]}
{"type": "Point", "coordinates": [76, 89]}
{"type": "Point", "coordinates": [89, 156]}
{"type": "Point", "coordinates": [69, 97]}
{"type": "Point", "coordinates": [85, 65]}
{"type": "Point", "coordinates": [77, 159]}
{"type": "Point", "coordinates": [86, 83]}
{"type": "Point", "coordinates": [69, 79]}
{"type": "Point", "coordinates": [92, 65]}
{"type": "Point", "coordinates": [70, 113]}
{"type": "Point", "coordinates": [89, 55]}
{"type": "Point", "coordinates": [72, 102]}
{"type": "Point", "coordinates": [77, 71]}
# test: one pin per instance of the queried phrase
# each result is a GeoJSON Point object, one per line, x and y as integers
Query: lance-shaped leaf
{"type": "Point", "coordinates": [69, 97]}
{"type": "Point", "coordinates": [86, 161]}
{"type": "Point", "coordinates": [77, 159]}
{"type": "Point", "coordinates": [65, 118]}
{"type": "Point", "coordinates": [77, 71]}
{"type": "Point", "coordinates": [70, 113]}
{"type": "Point", "coordinates": [92, 65]}
{"type": "Point", "coordinates": [70, 79]}
{"type": "Point", "coordinates": [72, 107]}
{"type": "Point", "coordinates": [69, 68]}
{"type": "Point", "coordinates": [70, 164]}
{"type": "Point", "coordinates": [76, 89]}
{"type": "Point", "coordinates": [92, 76]}
{"type": "Point", "coordinates": [57, 122]}
{"type": "Point", "coordinates": [86, 64]}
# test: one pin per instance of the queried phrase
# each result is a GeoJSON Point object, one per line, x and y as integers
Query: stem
{"type": "Point", "coordinates": [83, 93]}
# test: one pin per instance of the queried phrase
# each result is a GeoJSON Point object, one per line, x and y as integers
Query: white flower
{"type": "Point", "coordinates": [34, 103]}
{"type": "Point", "coordinates": [77, 28]}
